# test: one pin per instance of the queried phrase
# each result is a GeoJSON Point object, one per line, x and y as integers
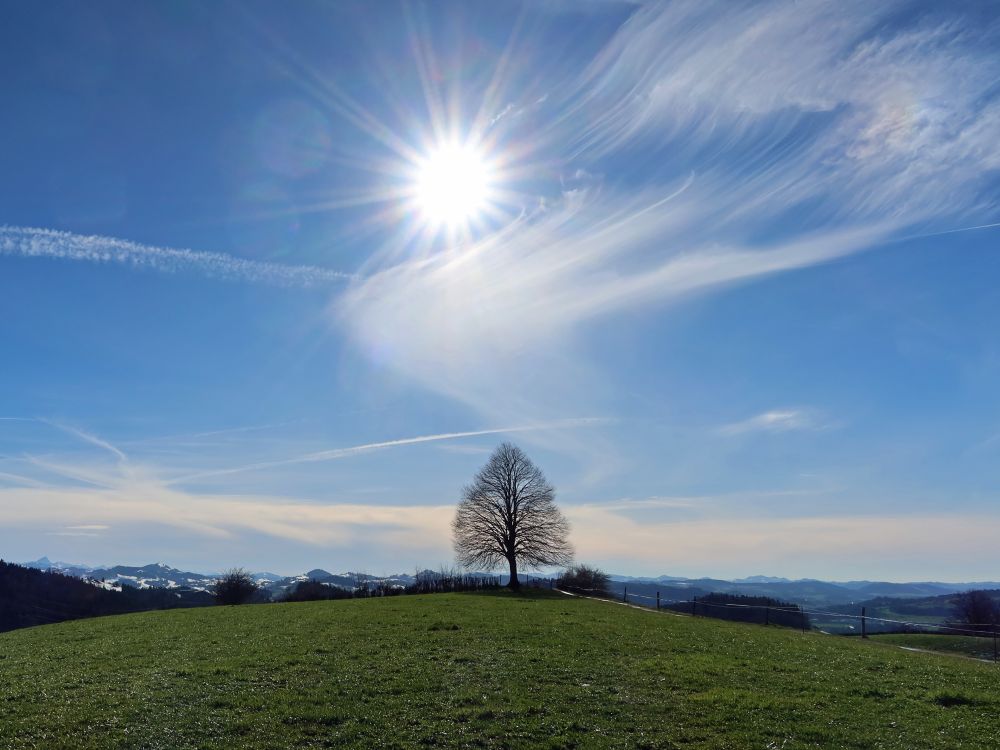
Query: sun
{"type": "Point", "coordinates": [453, 185]}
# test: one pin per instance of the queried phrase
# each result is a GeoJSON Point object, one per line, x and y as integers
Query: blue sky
{"type": "Point", "coordinates": [732, 284]}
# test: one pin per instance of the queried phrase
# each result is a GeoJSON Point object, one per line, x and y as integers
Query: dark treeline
{"type": "Point", "coordinates": [436, 583]}
{"type": "Point", "coordinates": [738, 608]}
{"type": "Point", "coordinates": [35, 597]}
{"type": "Point", "coordinates": [447, 582]}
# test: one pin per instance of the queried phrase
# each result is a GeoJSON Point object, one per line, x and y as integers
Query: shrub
{"type": "Point", "coordinates": [236, 586]}
{"type": "Point", "coordinates": [585, 580]}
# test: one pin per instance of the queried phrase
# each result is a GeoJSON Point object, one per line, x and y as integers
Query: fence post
{"type": "Point", "coordinates": [625, 594]}
{"type": "Point", "coordinates": [767, 614]}
{"type": "Point", "coordinates": [694, 606]}
{"type": "Point", "coordinates": [864, 624]}
{"type": "Point", "coordinates": [658, 606]}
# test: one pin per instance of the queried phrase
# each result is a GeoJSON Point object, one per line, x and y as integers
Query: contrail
{"type": "Point", "coordinates": [336, 453]}
{"type": "Point", "coordinates": [81, 434]}
{"type": "Point", "coordinates": [213, 433]}
{"type": "Point", "coordinates": [88, 438]}
{"type": "Point", "coordinates": [31, 242]}
{"type": "Point", "coordinates": [948, 231]}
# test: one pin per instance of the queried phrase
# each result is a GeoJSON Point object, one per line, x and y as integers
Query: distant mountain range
{"type": "Point", "coordinates": [160, 576]}
{"type": "Point", "coordinates": [804, 591]}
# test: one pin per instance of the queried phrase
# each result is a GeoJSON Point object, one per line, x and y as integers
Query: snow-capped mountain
{"type": "Point", "coordinates": [160, 576]}
{"type": "Point", "coordinates": [153, 576]}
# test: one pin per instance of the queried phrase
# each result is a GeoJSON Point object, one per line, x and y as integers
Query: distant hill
{"type": "Point", "coordinates": [868, 588]}
{"type": "Point", "coordinates": [761, 579]}
{"type": "Point", "coordinates": [806, 592]}
{"type": "Point", "coordinates": [929, 607]}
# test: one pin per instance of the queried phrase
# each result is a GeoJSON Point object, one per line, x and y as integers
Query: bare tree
{"type": "Point", "coordinates": [977, 609]}
{"type": "Point", "coordinates": [509, 514]}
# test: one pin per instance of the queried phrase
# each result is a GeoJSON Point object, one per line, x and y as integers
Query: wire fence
{"type": "Point", "coordinates": [977, 640]}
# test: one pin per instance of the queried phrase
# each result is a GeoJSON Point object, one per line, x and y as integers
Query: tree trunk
{"type": "Point", "coordinates": [514, 583]}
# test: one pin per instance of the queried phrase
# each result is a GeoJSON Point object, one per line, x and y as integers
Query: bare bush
{"type": "Point", "coordinates": [585, 579]}
{"type": "Point", "coordinates": [236, 586]}
{"type": "Point", "coordinates": [977, 609]}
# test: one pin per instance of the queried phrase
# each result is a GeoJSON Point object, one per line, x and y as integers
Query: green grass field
{"type": "Point", "coordinates": [477, 670]}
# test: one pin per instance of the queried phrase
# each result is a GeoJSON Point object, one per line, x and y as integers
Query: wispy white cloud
{"type": "Point", "coordinates": [31, 242]}
{"type": "Point", "coordinates": [747, 141]}
{"type": "Point", "coordinates": [872, 107]}
{"type": "Point", "coordinates": [474, 324]}
{"type": "Point", "coordinates": [777, 420]}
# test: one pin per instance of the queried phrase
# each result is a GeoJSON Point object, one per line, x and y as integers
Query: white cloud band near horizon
{"type": "Point", "coordinates": [614, 535]}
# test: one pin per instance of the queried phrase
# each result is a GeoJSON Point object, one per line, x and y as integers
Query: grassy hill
{"type": "Point", "coordinates": [476, 670]}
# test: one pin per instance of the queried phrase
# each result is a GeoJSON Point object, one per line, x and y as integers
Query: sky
{"type": "Point", "coordinates": [275, 279]}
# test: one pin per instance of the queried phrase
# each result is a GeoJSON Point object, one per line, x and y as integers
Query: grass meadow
{"type": "Point", "coordinates": [538, 669]}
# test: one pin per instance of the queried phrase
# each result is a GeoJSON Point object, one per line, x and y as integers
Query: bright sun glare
{"type": "Point", "coordinates": [453, 184]}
